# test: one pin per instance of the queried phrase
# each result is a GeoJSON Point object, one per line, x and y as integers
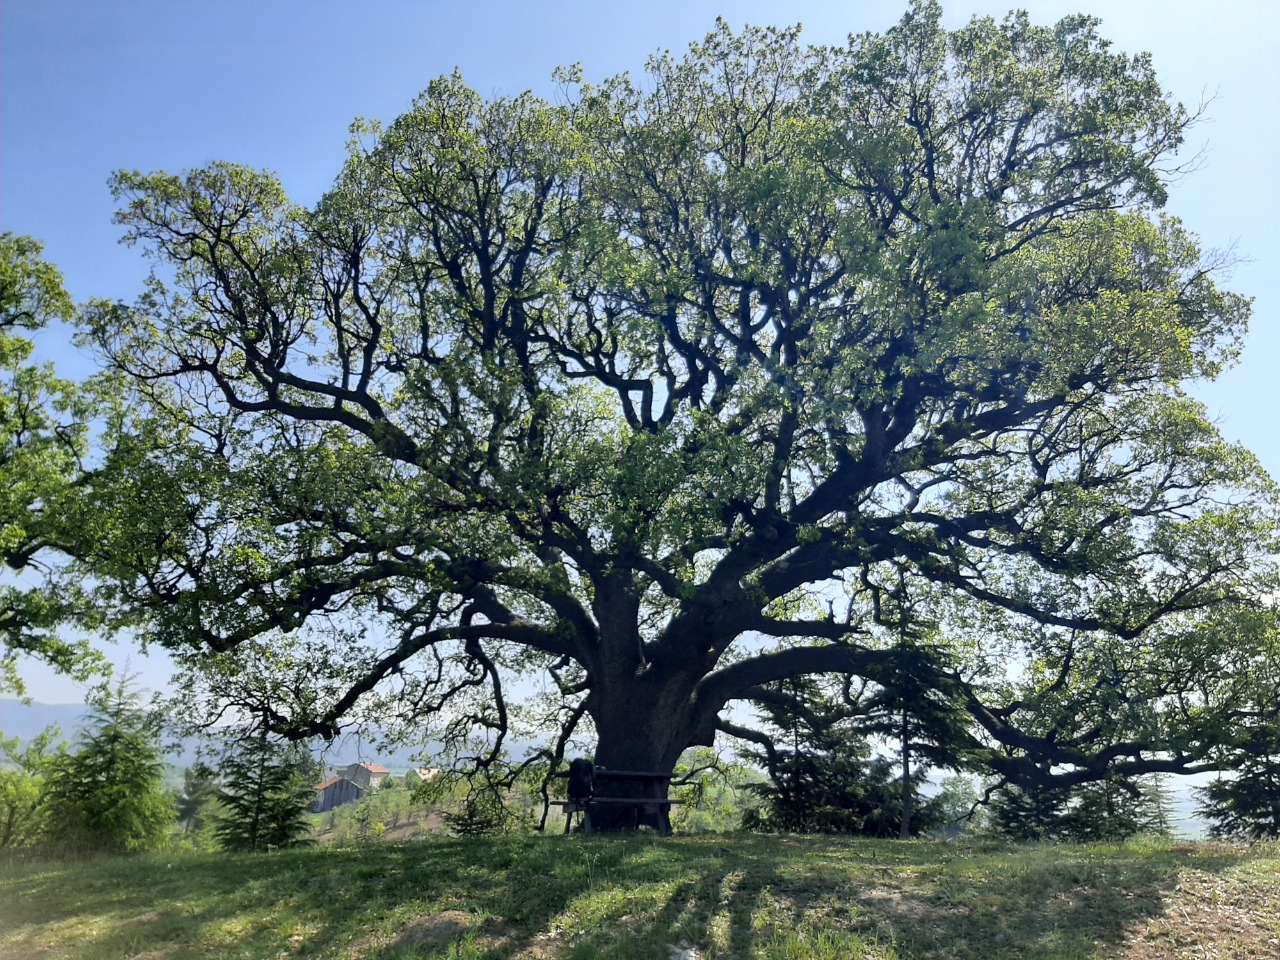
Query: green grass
{"type": "Point", "coordinates": [638, 897]}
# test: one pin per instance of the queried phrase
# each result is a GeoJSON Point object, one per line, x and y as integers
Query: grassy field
{"type": "Point", "coordinates": [638, 897]}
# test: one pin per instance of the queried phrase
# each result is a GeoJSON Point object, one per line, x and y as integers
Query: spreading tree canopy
{"type": "Point", "coordinates": [671, 389]}
{"type": "Point", "coordinates": [44, 440]}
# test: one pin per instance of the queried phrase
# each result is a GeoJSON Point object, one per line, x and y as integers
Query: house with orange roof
{"type": "Point", "coordinates": [369, 776]}
{"type": "Point", "coordinates": [349, 783]}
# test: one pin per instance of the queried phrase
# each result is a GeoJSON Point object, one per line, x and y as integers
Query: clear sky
{"type": "Point", "coordinates": [88, 87]}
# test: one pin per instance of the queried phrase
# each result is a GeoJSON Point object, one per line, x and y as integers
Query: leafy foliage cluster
{"type": "Point", "coordinates": [716, 793]}
{"type": "Point", "coordinates": [44, 441]}
{"type": "Point", "coordinates": [22, 788]}
{"type": "Point", "coordinates": [199, 791]}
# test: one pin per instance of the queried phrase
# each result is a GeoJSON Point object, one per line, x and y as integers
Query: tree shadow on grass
{"type": "Point", "coordinates": [605, 897]}
{"type": "Point", "coordinates": [316, 903]}
{"type": "Point", "coordinates": [991, 903]}
{"type": "Point", "coordinates": [774, 897]}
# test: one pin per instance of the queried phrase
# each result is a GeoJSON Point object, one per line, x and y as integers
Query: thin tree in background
{"type": "Point", "coordinates": [961, 810]}
{"type": "Point", "coordinates": [921, 715]}
{"type": "Point", "coordinates": [1159, 812]}
{"type": "Point", "coordinates": [199, 786]}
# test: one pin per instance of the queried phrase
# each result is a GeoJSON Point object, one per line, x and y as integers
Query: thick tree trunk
{"type": "Point", "coordinates": [642, 729]}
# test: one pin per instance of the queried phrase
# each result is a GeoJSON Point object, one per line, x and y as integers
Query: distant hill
{"type": "Point", "coordinates": [26, 720]}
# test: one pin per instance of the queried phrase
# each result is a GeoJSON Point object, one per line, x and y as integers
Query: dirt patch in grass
{"type": "Point", "coordinates": [544, 946]}
{"type": "Point", "coordinates": [435, 931]}
{"type": "Point", "coordinates": [911, 908]}
{"type": "Point", "coordinates": [494, 936]}
{"type": "Point", "coordinates": [1213, 916]}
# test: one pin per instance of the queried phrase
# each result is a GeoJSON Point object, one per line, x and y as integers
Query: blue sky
{"type": "Point", "coordinates": [88, 87]}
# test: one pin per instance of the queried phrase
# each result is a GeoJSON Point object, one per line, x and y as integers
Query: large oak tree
{"type": "Point", "coordinates": [668, 391]}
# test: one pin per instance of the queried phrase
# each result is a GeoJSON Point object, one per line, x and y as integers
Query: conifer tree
{"type": "Point", "coordinates": [267, 791]}
{"type": "Point", "coordinates": [1103, 810]}
{"type": "Point", "coordinates": [920, 716]}
{"type": "Point", "coordinates": [108, 795]}
{"type": "Point", "coordinates": [1033, 811]}
{"type": "Point", "coordinates": [1109, 810]}
{"type": "Point", "coordinates": [1158, 817]}
{"type": "Point", "coordinates": [199, 786]}
{"type": "Point", "coordinates": [823, 777]}
{"type": "Point", "coordinates": [1246, 805]}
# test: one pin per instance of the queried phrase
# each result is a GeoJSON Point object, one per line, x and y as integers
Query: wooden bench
{"type": "Point", "coordinates": [656, 812]}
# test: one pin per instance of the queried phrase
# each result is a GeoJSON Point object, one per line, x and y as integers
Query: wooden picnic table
{"type": "Point", "coordinates": [651, 809]}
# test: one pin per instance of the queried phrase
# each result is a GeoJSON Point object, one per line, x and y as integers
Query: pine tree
{"type": "Point", "coordinates": [267, 791]}
{"type": "Point", "coordinates": [109, 795]}
{"type": "Point", "coordinates": [920, 717]}
{"type": "Point", "coordinates": [1158, 817]}
{"type": "Point", "coordinates": [1102, 810]}
{"type": "Point", "coordinates": [825, 779]}
{"type": "Point", "coordinates": [1109, 810]}
{"type": "Point", "coordinates": [1246, 805]}
{"type": "Point", "coordinates": [199, 786]}
{"type": "Point", "coordinates": [1028, 811]}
